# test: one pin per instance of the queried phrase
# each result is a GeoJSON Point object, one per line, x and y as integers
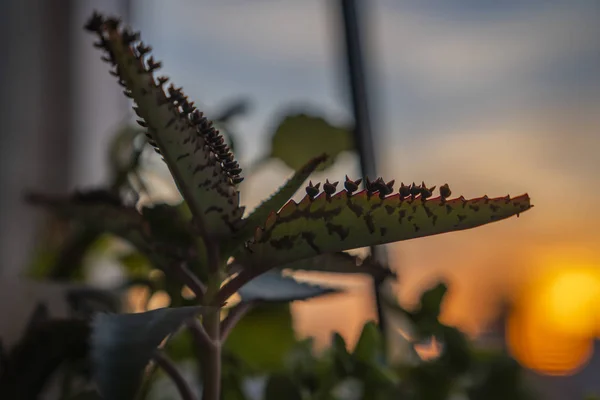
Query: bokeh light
{"type": "Point", "coordinates": [554, 322]}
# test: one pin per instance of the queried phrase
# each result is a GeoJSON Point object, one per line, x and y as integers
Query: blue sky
{"type": "Point", "coordinates": [492, 97]}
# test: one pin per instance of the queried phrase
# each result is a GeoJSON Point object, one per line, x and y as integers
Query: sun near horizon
{"type": "Point", "coordinates": [554, 322]}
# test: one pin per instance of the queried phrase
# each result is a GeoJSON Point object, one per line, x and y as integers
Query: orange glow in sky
{"type": "Point", "coordinates": [553, 325]}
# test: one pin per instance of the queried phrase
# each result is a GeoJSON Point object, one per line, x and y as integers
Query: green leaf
{"type": "Point", "coordinates": [370, 347]}
{"type": "Point", "coordinates": [273, 287]}
{"type": "Point", "coordinates": [203, 168]}
{"type": "Point", "coordinates": [279, 198]}
{"type": "Point", "coordinates": [100, 210]}
{"type": "Point", "coordinates": [342, 359]}
{"type": "Point", "coordinates": [425, 318]}
{"type": "Point", "coordinates": [123, 344]}
{"type": "Point", "coordinates": [263, 336]}
{"type": "Point", "coordinates": [341, 263]}
{"type": "Point", "coordinates": [233, 109]}
{"type": "Point", "coordinates": [328, 224]}
{"type": "Point", "coordinates": [280, 386]}
{"type": "Point", "coordinates": [431, 300]}
{"type": "Point", "coordinates": [300, 137]}
{"type": "Point", "coordinates": [87, 395]}
{"type": "Point", "coordinates": [124, 155]}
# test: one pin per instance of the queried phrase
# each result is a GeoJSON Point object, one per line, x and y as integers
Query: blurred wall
{"type": "Point", "coordinates": [56, 112]}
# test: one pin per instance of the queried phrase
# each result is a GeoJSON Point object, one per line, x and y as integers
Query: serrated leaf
{"type": "Point", "coordinates": [279, 198]}
{"type": "Point", "coordinates": [340, 262]}
{"type": "Point", "coordinates": [300, 137]}
{"type": "Point", "coordinates": [328, 224]}
{"type": "Point", "coordinates": [100, 210]}
{"type": "Point", "coordinates": [203, 169]}
{"type": "Point", "coordinates": [123, 344]}
{"type": "Point", "coordinates": [274, 287]}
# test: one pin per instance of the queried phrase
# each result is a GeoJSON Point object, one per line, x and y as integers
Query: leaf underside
{"type": "Point", "coordinates": [272, 287]}
{"type": "Point", "coordinates": [123, 344]}
{"type": "Point", "coordinates": [99, 210]}
{"type": "Point", "coordinates": [201, 164]}
{"type": "Point", "coordinates": [341, 262]}
{"type": "Point", "coordinates": [326, 224]}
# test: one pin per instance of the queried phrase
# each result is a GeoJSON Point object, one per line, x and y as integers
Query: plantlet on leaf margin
{"type": "Point", "coordinates": [280, 233]}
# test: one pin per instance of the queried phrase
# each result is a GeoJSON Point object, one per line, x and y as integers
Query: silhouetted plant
{"type": "Point", "coordinates": [207, 244]}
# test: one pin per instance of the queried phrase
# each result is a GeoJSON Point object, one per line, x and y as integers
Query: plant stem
{"type": "Point", "coordinates": [233, 317]}
{"type": "Point", "coordinates": [186, 276]}
{"type": "Point", "coordinates": [199, 334]}
{"type": "Point", "coordinates": [229, 288]}
{"type": "Point", "coordinates": [170, 369]}
{"type": "Point", "coordinates": [211, 370]}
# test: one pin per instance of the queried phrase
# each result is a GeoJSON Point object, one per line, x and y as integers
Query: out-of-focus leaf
{"type": "Point", "coordinates": [456, 353]}
{"type": "Point", "coordinates": [274, 287]}
{"type": "Point", "coordinates": [431, 300]}
{"type": "Point", "coordinates": [37, 356]}
{"type": "Point", "coordinates": [350, 389]}
{"type": "Point", "coordinates": [280, 386]}
{"type": "Point", "coordinates": [501, 379]}
{"type": "Point", "coordinates": [124, 155]}
{"type": "Point", "coordinates": [135, 264]}
{"type": "Point", "coordinates": [342, 359]}
{"type": "Point", "coordinates": [341, 262]}
{"type": "Point", "coordinates": [122, 345]}
{"type": "Point", "coordinates": [233, 109]}
{"type": "Point", "coordinates": [101, 210]}
{"type": "Point", "coordinates": [370, 347]}
{"type": "Point", "coordinates": [300, 137]}
{"type": "Point", "coordinates": [85, 302]}
{"type": "Point", "coordinates": [168, 225]}
{"type": "Point", "coordinates": [171, 228]}
{"type": "Point", "coordinates": [88, 395]}
{"type": "Point", "coordinates": [263, 336]}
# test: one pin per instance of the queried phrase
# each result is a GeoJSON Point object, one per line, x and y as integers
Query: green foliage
{"type": "Point", "coordinates": [273, 287]}
{"type": "Point", "coordinates": [201, 165]}
{"type": "Point", "coordinates": [300, 137]}
{"type": "Point", "coordinates": [279, 198]}
{"type": "Point", "coordinates": [206, 246]}
{"type": "Point", "coordinates": [341, 263]}
{"type": "Point", "coordinates": [262, 336]}
{"type": "Point", "coordinates": [330, 223]}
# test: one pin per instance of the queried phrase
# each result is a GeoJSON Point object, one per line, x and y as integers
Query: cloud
{"type": "Point", "coordinates": [450, 55]}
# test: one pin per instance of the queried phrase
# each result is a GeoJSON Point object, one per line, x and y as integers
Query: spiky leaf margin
{"type": "Point", "coordinates": [201, 164]}
{"type": "Point", "coordinates": [278, 199]}
{"type": "Point", "coordinates": [327, 224]}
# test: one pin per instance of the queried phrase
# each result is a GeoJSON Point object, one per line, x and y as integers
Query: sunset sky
{"type": "Point", "coordinates": [490, 97]}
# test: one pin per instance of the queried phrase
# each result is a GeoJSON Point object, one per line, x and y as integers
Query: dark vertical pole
{"type": "Point", "coordinates": [363, 134]}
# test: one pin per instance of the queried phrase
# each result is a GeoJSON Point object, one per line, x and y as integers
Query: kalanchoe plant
{"type": "Point", "coordinates": [311, 234]}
